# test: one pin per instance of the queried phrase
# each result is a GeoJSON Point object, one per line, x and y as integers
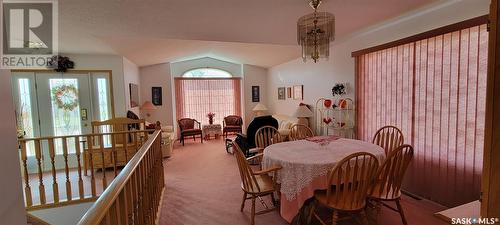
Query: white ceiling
{"type": "Point", "coordinates": [257, 32]}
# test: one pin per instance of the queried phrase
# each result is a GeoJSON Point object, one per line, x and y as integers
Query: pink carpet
{"type": "Point", "coordinates": [203, 187]}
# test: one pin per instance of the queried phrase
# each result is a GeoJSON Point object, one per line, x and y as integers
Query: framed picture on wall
{"type": "Point", "coordinates": [289, 92]}
{"type": "Point", "coordinates": [156, 97]}
{"type": "Point", "coordinates": [255, 94]}
{"type": "Point", "coordinates": [298, 92]}
{"type": "Point", "coordinates": [134, 95]}
{"type": "Point", "coordinates": [281, 93]}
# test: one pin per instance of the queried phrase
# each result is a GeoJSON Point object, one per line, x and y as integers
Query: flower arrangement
{"type": "Point", "coordinates": [60, 63]}
{"type": "Point", "coordinates": [211, 116]}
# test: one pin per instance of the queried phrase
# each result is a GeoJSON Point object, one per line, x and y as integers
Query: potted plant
{"type": "Point", "coordinates": [211, 116]}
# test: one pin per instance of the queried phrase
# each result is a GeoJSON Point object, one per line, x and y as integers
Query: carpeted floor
{"type": "Point", "coordinates": [203, 187]}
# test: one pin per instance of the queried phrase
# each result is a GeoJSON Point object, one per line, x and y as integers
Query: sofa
{"type": "Point", "coordinates": [285, 122]}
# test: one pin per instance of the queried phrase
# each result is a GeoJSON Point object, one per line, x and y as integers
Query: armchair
{"type": "Point", "coordinates": [189, 127]}
{"type": "Point", "coordinates": [247, 142]}
{"type": "Point", "coordinates": [232, 124]}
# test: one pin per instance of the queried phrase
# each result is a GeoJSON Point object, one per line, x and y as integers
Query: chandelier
{"type": "Point", "coordinates": [315, 31]}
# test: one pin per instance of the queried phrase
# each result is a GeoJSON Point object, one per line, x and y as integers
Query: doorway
{"type": "Point", "coordinates": [59, 104]}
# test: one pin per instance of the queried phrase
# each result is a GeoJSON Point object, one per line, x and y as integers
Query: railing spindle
{"type": "Point", "coordinates": [41, 187]}
{"type": "Point", "coordinates": [101, 147]}
{"type": "Point", "coordinates": [69, 195]}
{"type": "Point", "coordinates": [136, 142]}
{"type": "Point", "coordinates": [55, 186]}
{"type": "Point", "coordinates": [90, 149]}
{"type": "Point", "coordinates": [125, 145]}
{"type": "Point", "coordinates": [27, 187]}
{"type": "Point", "coordinates": [80, 180]}
{"type": "Point", "coordinates": [113, 153]}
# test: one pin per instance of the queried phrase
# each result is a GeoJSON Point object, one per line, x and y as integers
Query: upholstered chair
{"type": "Point", "coordinates": [232, 124]}
{"type": "Point", "coordinates": [189, 127]}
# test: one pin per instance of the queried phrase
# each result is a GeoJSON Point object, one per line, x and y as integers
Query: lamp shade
{"type": "Point", "coordinates": [303, 111]}
{"type": "Point", "coordinates": [147, 105]}
{"type": "Point", "coordinates": [259, 107]}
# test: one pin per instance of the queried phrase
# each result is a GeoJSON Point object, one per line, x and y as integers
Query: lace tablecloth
{"type": "Point", "coordinates": [211, 129]}
{"type": "Point", "coordinates": [303, 160]}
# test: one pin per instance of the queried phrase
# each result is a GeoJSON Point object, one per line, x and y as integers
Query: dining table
{"type": "Point", "coordinates": [306, 164]}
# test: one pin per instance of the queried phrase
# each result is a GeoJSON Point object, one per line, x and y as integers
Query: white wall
{"type": "Point", "coordinates": [253, 76]}
{"type": "Point", "coordinates": [318, 79]}
{"type": "Point", "coordinates": [12, 210]}
{"type": "Point", "coordinates": [178, 68]}
{"type": "Point", "coordinates": [162, 75]}
{"type": "Point", "coordinates": [106, 62]}
{"type": "Point", "coordinates": [158, 76]}
{"type": "Point", "coordinates": [131, 75]}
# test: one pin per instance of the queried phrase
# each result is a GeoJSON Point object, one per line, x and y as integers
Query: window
{"type": "Point", "coordinates": [201, 91]}
{"type": "Point", "coordinates": [25, 113]}
{"type": "Point", "coordinates": [207, 73]}
{"type": "Point", "coordinates": [434, 90]}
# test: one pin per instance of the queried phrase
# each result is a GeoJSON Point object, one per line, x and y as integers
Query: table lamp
{"type": "Point", "coordinates": [148, 106]}
{"type": "Point", "coordinates": [259, 109]}
{"type": "Point", "coordinates": [302, 114]}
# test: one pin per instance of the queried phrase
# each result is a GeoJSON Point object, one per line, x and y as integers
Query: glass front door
{"type": "Point", "coordinates": [53, 104]}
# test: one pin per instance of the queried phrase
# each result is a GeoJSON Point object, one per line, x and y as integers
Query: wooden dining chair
{"type": "Point", "coordinates": [257, 184]}
{"type": "Point", "coordinates": [389, 138]}
{"type": "Point", "coordinates": [387, 185]}
{"type": "Point", "coordinates": [348, 185]}
{"type": "Point", "coordinates": [265, 136]}
{"type": "Point", "coordinates": [299, 132]}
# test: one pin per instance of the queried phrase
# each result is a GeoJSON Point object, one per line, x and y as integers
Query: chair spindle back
{"type": "Point", "coordinates": [267, 135]}
{"type": "Point", "coordinates": [300, 131]}
{"type": "Point", "coordinates": [390, 175]}
{"type": "Point", "coordinates": [350, 181]}
{"type": "Point", "coordinates": [389, 138]}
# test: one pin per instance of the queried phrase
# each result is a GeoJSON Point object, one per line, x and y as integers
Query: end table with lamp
{"type": "Point", "coordinates": [259, 109]}
{"type": "Point", "coordinates": [302, 113]}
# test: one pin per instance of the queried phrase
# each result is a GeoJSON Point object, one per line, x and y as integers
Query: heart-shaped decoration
{"type": "Point", "coordinates": [327, 103]}
{"type": "Point", "coordinates": [327, 120]}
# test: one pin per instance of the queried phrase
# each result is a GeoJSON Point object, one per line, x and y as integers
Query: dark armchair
{"type": "Point", "coordinates": [232, 124]}
{"type": "Point", "coordinates": [247, 142]}
{"type": "Point", "coordinates": [189, 127]}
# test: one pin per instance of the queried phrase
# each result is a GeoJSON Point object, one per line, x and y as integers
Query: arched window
{"type": "Point", "coordinates": [207, 73]}
{"type": "Point", "coordinates": [207, 90]}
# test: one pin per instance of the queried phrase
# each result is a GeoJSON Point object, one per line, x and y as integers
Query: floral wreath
{"type": "Point", "coordinates": [66, 97]}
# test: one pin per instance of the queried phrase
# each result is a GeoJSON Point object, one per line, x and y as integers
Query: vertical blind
{"type": "Point", "coordinates": [195, 98]}
{"type": "Point", "coordinates": [434, 90]}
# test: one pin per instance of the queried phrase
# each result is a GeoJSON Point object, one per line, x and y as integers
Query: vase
{"type": "Point", "coordinates": [210, 121]}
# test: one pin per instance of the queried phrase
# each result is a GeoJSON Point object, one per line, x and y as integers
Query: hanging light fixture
{"type": "Point", "coordinates": [315, 31]}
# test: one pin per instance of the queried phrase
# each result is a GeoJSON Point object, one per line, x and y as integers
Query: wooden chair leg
{"type": "Point", "coordinates": [252, 220]}
{"type": "Point", "coordinates": [400, 209]}
{"type": "Point", "coordinates": [243, 202]}
{"type": "Point", "coordinates": [274, 200]}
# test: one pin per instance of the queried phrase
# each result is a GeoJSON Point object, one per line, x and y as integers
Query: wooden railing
{"type": "Point", "coordinates": [135, 194]}
{"type": "Point", "coordinates": [90, 152]}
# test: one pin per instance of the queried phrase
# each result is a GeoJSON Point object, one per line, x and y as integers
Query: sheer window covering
{"type": "Point", "coordinates": [195, 98]}
{"type": "Point", "coordinates": [434, 90]}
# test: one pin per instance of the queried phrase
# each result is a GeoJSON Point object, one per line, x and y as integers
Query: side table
{"type": "Point", "coordinates": [211, 129]}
